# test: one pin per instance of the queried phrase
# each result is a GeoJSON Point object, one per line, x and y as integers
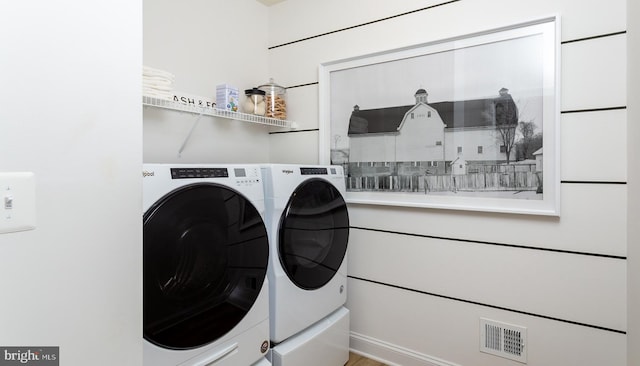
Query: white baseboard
{"type": "Point", "coordinates": [391, 354]}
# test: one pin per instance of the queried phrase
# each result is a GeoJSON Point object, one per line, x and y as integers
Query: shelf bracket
{"type": "Point", "coordinates": [193, 127]}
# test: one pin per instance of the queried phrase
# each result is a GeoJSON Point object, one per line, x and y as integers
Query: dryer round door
{"type": "Point", "coordinates": [313, 234]}
{"type": "Point", "coordinates": [205, 260]}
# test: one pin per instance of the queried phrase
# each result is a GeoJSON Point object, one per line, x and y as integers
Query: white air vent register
{"type": "Point", "coordinates": [503, 340]}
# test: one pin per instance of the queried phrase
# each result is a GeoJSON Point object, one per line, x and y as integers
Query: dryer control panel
{"type": "Point", "coordinates": [318, 171]}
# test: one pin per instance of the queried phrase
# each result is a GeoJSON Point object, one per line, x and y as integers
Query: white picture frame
{"type": "Point", "coordinates": [450, 124]}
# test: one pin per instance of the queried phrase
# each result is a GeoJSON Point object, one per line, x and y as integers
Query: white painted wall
{"type": "Point", "coordinates": [70, 112]}
{"type": "Point", "coordinates": [420, 279]}
{"type": "Point", "coordinates": [205, 43]}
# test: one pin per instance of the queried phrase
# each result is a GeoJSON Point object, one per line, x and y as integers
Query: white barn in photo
{"type": "Point", "coordinates": [435, 133]}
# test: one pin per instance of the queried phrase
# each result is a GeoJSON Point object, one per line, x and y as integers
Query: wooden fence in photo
{"type": "Point", "coordinates": [490, 181]}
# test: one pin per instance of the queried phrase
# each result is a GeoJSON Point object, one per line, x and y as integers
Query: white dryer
{"type": "Point", "coordinates": [308, 226]}
{"type": "Point", "coordinates": [206, 250]}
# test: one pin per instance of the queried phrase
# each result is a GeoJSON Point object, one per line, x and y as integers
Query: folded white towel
{"type": "Point", "coordinates": [163, 90]}
{"type": "Point", "coordinates": [157, 94]}
{"type": "Point", "coordinates": [157, 86]}
{"type": "Point", "coordinates": [146, 70]}
{"type": "Point", "coordinates": [150, 71]}
{"type": "Point", "coordinates": [156, 80]}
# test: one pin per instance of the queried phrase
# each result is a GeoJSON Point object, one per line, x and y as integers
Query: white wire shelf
{"type": "Point", "coordinates": [215, 112]}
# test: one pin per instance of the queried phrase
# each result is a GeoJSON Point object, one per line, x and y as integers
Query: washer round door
{"type": "Point", "coordinates": [205, 260]}
{"type": "Point", "coordinates": [313, 234]}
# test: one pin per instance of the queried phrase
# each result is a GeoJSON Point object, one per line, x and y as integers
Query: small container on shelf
{"type": "Point", "coordinates": [276, 99]}
{"type": "Point", "coordinates": [254, 102]}
{"type": "Point", "coordinates": [227, 97]}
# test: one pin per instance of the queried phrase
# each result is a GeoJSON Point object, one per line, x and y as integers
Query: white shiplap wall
{"type": "Point", "coordinates": [633, 174]}
{"type": "Point", "coordinates": [420, 279]}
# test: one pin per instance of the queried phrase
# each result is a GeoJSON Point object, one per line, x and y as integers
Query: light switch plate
{"type": "Point", "coordinates": [17, 202]}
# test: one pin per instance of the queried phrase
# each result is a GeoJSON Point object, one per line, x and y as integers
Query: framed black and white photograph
{"type": "Point", "coordinates": [468, 123]}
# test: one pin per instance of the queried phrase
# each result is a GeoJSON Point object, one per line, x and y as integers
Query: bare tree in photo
{"type": "Point", "coordinates": [506, 122]}
{"type": "Point", "coordinates": [530, 141]}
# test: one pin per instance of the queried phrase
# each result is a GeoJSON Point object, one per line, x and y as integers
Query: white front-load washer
{"type": "Point", "coordinates": [308, 226]}
{"type": "Point", "coordinates": [206, 252]}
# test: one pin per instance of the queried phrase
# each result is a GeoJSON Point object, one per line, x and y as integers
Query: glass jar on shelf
{"type": "Point", "coordinates": [254, 102]}
{"type": "Point", "coordinates": [276, 100]}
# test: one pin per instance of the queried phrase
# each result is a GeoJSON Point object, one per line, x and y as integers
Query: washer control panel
{"type": "Point", "coordinates": [241, 175]}
{"type": "Point", "coordinates": [192, 173]}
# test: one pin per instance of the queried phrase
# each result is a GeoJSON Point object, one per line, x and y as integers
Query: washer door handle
{"type": "Point", "coordinates": [218, 356]}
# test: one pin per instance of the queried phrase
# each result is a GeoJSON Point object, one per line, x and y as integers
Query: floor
{"type": "Point", "coordinates": [357, 360]}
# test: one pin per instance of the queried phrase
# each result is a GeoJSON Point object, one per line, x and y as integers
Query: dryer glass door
{"type": "Point", "coordinates": [313, 234]}
{"type": "Point", "coordinates": [205, 260]}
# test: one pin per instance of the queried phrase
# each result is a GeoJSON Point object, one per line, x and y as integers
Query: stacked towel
{"type": "Point", "coordinates": [157, 83]}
